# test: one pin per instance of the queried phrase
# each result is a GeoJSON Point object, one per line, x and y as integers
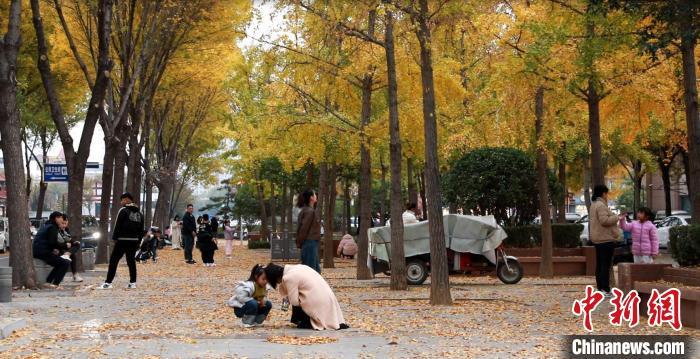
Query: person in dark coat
{"type": "Point", "coordinates": [128, 232]}
{"type": "Point", "coordinates": [189, 233]}
{"type": "Point", "coordinates": [206, 242]}
{"type": "Point", "coordinates": [214, 225]}
{"type": "Point", "coordinates": [308, 230]}
{"type": "Point", "coordinates": [46, 248]}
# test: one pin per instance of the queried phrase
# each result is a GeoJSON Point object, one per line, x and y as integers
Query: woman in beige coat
{"type": "Point", "coordinates": [604, 233]}
{"type": "Point", "coordinates": [313, 303]}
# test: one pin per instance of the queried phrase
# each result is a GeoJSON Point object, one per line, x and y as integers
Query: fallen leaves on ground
{"type": "Point", "coordinates": [294, 340]}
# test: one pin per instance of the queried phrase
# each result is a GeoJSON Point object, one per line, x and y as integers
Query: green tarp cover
{"type": "Point", "coordinates": [473, 234]}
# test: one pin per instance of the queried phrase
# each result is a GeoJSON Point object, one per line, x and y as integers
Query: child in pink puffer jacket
{"type": "Point", "coordinates": [645, 240]}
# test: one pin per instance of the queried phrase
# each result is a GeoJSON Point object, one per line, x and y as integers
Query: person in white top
{"type": "Point", "coordinates": [175, 233]}
{"type": "Point", "coordinates": [410, 216]}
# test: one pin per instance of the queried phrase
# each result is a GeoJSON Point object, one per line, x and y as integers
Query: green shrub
{"type": "Point", "coordinates": [258, 244]}
{"type": "Point", "coordinates": [567, 235]}
{"type": "Point", "coordinates": [685, 244]}
{"type": "Point", "coordinates": [520, 236]}
{"type": "Point", "coordinates": [564, 235]}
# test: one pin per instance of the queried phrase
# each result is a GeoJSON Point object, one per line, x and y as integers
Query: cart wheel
{"type": "Point", "coordinates": [512, 276]}
{"type": "Point", "coordinates": [416, 272]}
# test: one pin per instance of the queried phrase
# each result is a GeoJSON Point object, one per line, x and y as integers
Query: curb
{"type": "Point", "coordinates": [10, 325]}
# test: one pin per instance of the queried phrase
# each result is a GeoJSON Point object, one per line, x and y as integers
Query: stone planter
{"type": "Point", "coordinates": [645, 277]}
{"type": "Point", "coordinates": [5, 284]}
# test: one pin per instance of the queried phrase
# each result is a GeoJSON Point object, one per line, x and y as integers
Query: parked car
{"type": "Point", "coordinates": [584, 233]}
{"type": "Point", "coordinates": [664, 227]}
{"type": "Point", "coordinates": [4, 235]}
{"type": "Point", "coordinates": [659, 216]}
{"type": "Point", "coordinates": [90, 232]}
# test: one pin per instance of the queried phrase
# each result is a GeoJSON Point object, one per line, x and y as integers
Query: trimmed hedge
{"type": "Point", "coordinates": [564, 235]}
{"type": "Point", "coordinates": [258, 244]}
{"type": "Point", "coordinates": [685, 244]}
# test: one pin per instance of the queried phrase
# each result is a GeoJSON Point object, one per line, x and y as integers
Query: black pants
{"type": "Point", "coordinates": [122, 248]}
{"type": "Point", "coordinates": [60, 267]}
{"type": "Point", "coordinates": [603, 258]}
{"type": "Point", "coordinates": [300, 318]}
{"type": "Point", "coordinates": [188, 244]}
{"type": "Point", "coordinates": [207, 255]}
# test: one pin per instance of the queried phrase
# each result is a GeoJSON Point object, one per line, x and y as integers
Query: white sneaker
{"type": "Point", "coordinates": [66, 257]}
{"type": "Point", "coordinates": [205, 264]}
{"type": "Point", "coordinates": [105, 286]}
{"type": "Point", "coordinates": [131, 286]}
{"type": "Point", "coordinates": [77, 278]}
{"type": "Point", "coordinates": [212, 264]}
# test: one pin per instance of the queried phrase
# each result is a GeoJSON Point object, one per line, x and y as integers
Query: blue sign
{"type": "Point", "coordinates": [55, 172]}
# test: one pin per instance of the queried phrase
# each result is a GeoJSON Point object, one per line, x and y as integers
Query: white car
{"type": "Point", "coordinates": [4, 235]}
{"type": "Point", "coordinates": [584, 233]}
{"type": "Point", "coordinates": [664, 228]}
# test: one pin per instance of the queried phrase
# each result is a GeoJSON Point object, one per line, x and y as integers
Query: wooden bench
{"type": "Point", "coordinates": [566, 261]}
{"type": "Point", "coordinates": [254, 236]}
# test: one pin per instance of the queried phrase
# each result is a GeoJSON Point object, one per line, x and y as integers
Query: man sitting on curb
{"type": "Point", "coordinates": [46, 248]}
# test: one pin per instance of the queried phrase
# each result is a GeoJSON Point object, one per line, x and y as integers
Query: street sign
{"type": "Point", "coordinates": [55, 172]}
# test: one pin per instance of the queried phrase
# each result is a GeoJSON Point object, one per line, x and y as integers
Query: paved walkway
{"type": "Point", "coordinates": [178, 311]}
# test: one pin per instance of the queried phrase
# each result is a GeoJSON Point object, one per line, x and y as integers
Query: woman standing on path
{"type": "Point", "coordinates": [314, 304]}
{"type": "Point", "coordinates": [604, 232]}
{"type": "Point", "coordinates": [228, 236]}
{"type": "Point", "coordinates": [175, 233]}
{"type": "Point", "coordinates": [206, 241]}
{"type": "Point", "coordinates": [308, 230]}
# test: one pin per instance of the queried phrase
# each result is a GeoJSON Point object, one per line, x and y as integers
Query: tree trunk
{"type": "Point", "coordinates": [43, 186]}
{"type": "Point", "coordinates": [398, 259]}
{"type": "Point", "coordinates": [102, 254]}
{"type": "Point", "coordinates": [565, 192]}
{"type": "Point", "coordinates": [439, 273]}
{"type": "Point", "coordinates": [322, 189]}
{"type": "Point", "coordinates": [597, 171]}
{"type": "Point", "coordinates": [273, 212]}
{"type": "Point", "coordinates": [421, 188]}
{"type": "Point", "coordinates": [347, 218]}
{"type": "Point", "coordinates": [264, 233]}
{"type": "Point", "coordinates": [133, 182]}
{"type": "Point", "coordinates": [148, 206]}
{"type": "Point", "coordinates": [364, 200]}
{"type": "Point", "coordinates": [546, 265]}
{"type": "Point", "coordinates": [17, 210]}
{"type": "Point", "coordinates": [328, 252]}
{"type": "Point", "coordinates": [118, 182]}
{"type": "Point", "coordinates": [283, 211]}
{"type": "Point", "coordinates": [637, 180]}
{"type": "Point", "coordinates": [411, 182]}
{"type": "Point", "coordinates": [666, 180]}
{"type": "Point", "coordinates": [690, 97]}
{"type": "Point", "coordinates": [383, 190]}
{"type": "Point", "coordinates": [587, 184]}
{"type": "Point", "coordinates": [290, 213]}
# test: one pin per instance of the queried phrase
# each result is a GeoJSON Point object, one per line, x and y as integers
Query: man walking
{"type": "Point", "coordinates": [189, 233]}
{"type": "Point", "coordinates": [127, 233]}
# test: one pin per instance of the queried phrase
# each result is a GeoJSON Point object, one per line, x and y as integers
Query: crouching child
{"type": "Point", "coordinates": [249, 298]}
